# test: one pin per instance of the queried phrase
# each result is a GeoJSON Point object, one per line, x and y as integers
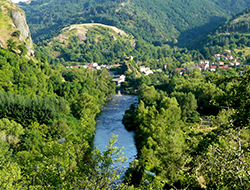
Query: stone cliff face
{"type": "Point", "coordinates": [13, 19]}
{"type": "Point", "coordinates": [19, 20]}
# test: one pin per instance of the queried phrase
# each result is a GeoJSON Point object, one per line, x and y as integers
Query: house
{"type": "Point", "coordinates": [108, 67]}
{"type": "Point", "coordinates": [76, 66]}
{"type": "Point", "coordinates": [104, 66]}
{"type": "Point", "coordinates": [206, 61]}
{"type": "Point", "coordinates": [230, 57]}
{"type": "Point", "coordinates": [204, 66]}
{"type": "Point", "coordinates": [142, 69]}
{"type": "Point", "coordinates": [180, 70]}
{"type": "Point", "coordinates": [213, 68]}
{"type": "Point", "coordinates": [84, 66]}
{"type": "Point", "coordinates": [165, 65]}
{"type": "Point", "coordinates": [93, 65]}
{"type": "Point", "coordinates": [236, 63]}
{"type": "Point", "coordinates": [231, 64]}
{"type": "Point", "coordinates": [226, 58]}
{"type": "Point", "coordinates": [119, 79]}
{"type": "Point", "coordinates": [202, 61]}
{"type": "Point", "coordinates": [116, 65]}
{"type": "Point", "coordinates": [148, 71]}
{"type": "Point", "coordinates": [225, 67]}
{"type": "Point", "coordinates": [221, 63]}
{"type": "Point", "coordinates": [217, 56]}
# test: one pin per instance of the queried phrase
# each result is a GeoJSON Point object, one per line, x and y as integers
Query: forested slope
{"type": "Point", "coordinates": [87, 43]}
{"type": "Point", "coordinates": [41, 107]}
{"type": "Point", "coordinates": [233, 34]}
{"type": "Point", "coordinates": [156, 21]}
{"type": "Point", "coordinates": [178, 146]}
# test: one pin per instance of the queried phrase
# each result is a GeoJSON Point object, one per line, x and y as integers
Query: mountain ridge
{"type": "Point", "coordinates": [157, 22]}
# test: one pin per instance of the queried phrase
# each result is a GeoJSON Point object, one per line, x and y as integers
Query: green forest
{"type": "Point", "coordinates": [41, 104]}
{"type": "Point", "coordinates": [155, 21]}
{"type": "Point", "coordinates": [191, 127]}
{"type": "Point", "coordinates": [192, 132]}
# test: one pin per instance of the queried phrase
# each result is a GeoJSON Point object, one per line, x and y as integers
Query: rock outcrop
{"type": "Point", "coordinates": [13, 19]}
{"type": "Point", "coordinates": [19, 20]}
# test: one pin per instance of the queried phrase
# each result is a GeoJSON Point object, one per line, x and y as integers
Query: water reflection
{"type": "Point", "coordinates": [110, 121]}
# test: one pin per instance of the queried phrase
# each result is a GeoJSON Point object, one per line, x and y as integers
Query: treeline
{"type": "Point", "coordinates": [47, 123]}
{"type": "Point", "coordinates": [104, 47]}
{"type": "Point", "coordinates": [232, 34]}
{"type": "Point", "coordinates": [176, 148]}
{"type": "Point", "coordinates": [239, 23]}
{"type": "Point", "coordinates": [101, 45]}
{"type": "Point", "coordinates": [156, 22]}
{"type": "Point", "coordinates": [219, 43]}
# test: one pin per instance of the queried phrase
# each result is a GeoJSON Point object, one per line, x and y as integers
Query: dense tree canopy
{"type": "Point", "coordinates": [155, 21]}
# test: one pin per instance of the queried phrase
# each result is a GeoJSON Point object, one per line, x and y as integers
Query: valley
{"type": "Point", "coordinates": [170, 78]}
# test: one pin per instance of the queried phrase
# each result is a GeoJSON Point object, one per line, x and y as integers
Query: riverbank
{"type": "Point", "coordinates": [109, 122]}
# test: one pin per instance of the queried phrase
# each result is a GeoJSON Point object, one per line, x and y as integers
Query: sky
{"type": "Point", "coordinates": [17, 1]}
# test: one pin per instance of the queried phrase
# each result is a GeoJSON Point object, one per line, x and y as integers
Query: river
{"type": "Point", "coordinates": [110, 121]}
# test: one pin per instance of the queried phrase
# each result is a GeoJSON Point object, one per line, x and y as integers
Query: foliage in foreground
{"type": "Point", "coordinates": [178, 151]}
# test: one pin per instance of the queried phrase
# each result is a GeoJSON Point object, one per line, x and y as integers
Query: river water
{"type": "Point", "coordinates": [110, 121]}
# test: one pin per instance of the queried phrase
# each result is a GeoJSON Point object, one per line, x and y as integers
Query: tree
{"type": "Point", "coordinates": [188, 105]}
{"type": "Point", "coordinates": [23, 49]}
{"type": "Point", "coordinates": [17, 33]}
{"type": "Point", "coordinates": [11, 44]}
{"type": "Point", "coordinates": [85, 108]}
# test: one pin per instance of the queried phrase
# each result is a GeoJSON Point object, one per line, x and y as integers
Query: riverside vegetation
{"type": "Point", "coordinates": [192, 130]}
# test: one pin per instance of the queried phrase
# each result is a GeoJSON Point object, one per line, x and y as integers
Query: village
{"type": "Point", "coordinates": [222, 61]}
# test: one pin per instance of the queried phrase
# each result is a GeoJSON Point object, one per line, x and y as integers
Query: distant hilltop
{"type": "Point", "coordinates": [81, 30]}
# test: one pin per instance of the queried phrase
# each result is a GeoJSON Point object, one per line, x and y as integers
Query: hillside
{"type": "Point", "coordinates": [239, 23]}
{"type": "Point", "coordinates": [232, 34]}
{"type": "Point", "coordinates": [85, 43]}
{"type": "Point", "coordinates": [13, 25]}
{"type": "Point", "coordinates": [103, 44]}
{"type": "Point", "coordinates": [41, 104]}
{"type": "Point", "coordinates": [156, 21]}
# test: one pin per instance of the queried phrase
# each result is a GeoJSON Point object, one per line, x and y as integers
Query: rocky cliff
{"type": "Point", "coordinates": [13, 25]}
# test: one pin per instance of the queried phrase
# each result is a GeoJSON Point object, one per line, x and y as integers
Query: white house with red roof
{"type": "Point", "coordinates": [230, 57]}
{"type": "Point", "coordinates": [213, 68]}
{"type": "Point", "coordinates": [217, 56]}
